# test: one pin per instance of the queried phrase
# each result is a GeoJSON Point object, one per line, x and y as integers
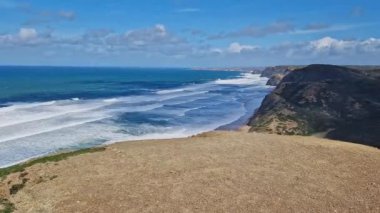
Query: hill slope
{"type": "Point", "coordinates": [213, 172]}
{"type": "Point", "coordinates": [341, 102]}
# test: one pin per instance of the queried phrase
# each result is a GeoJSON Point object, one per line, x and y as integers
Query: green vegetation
{"type": "Point", "coordinates": [6, 206]}
{"type": "Point", "coordinates": [53, 158]}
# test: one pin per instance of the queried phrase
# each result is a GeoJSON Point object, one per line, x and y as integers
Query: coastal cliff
{"type": "Point", "coordinates": [275, 79]}
{"type": "Point", "coordinates": [279, 70]}
{"type": "Point", "coordinates": [213, 172]}
{"type": "Point", "coordinates": [336, 102]}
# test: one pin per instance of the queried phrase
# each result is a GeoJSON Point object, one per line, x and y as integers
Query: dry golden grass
{"type": "Point", "coordinates": [212, 172]}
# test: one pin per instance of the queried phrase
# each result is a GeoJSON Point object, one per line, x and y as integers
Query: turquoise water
{"type": "Point", "coordinates": [51, 83]}
{"type": "Point", "coordinates": [49, 109]}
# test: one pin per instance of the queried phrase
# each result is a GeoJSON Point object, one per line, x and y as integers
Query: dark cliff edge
{"type": "Point", "coordinates": [282, 70]}
{"type": "Point", "coordinates": [275, 79]}
{"type": "Point", "coordinates": [336, 102]}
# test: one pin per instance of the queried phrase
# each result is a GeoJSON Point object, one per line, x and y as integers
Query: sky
{"type": "Point", "coordinates": [189, 33]}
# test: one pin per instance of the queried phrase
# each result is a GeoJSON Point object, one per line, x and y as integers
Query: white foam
{"type": "Point", "coordinates": [15, 106]}
{"type": "Point", "coordinates": [29, 112]}
{"type": "Point", "coordinates": [161, 133]}
{"type": "Point", "coordinates": [163, 92]}
{"type": "Point", "coordinates": [29, 130]}
{"type": "Point", "coordinates": [245, 79]}
{"type": "Point", "coordinates": [111, 100]}
{"type": "Point", "coordinates": [32, 112]}
{"type": "Point", "coordinates": [23, 131]}
{"type": "Point", "coordinates": [196, 87]}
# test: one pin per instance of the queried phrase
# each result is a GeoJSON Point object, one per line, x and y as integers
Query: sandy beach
{"type": "Point", "coordinates": [211, 172]}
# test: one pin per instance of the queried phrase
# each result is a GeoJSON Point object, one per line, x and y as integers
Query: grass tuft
{"type": "Point", "coordinates": [6, 206]}
{"type": "Point", "coordinates": [53, 158]}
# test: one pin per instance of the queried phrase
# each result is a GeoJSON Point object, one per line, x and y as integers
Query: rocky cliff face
{"type": "Point", "coordinates": [275, 79]}
{"type": "Point", "coordinates": [340, 102]}
{"type": "Point", "coordinates": [282, 70]}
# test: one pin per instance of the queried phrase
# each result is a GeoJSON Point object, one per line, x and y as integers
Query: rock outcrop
{"type": "Point", "coordinates": [338, 102]}
{"type": "Point", "coordinates": [283, 70]}
{"type": "Point", "coordinates": [275, 79]}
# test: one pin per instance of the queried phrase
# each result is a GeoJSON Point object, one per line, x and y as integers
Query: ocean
{"type": "Point", "coordinates": [44, 110]}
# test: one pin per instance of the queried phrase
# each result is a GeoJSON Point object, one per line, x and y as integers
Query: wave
{"type": "Point", "coordinates": [245, 79]}
{"type": "Point", "coordinates": [33, 112]}
{"type": "Point", "coordinates": [163, 92]}
{"type": "Point", "coordinates": [30, 130]}
{"type": "Point", "coordinates": [57, 117]}
{"type": "Point", "coordinates": [194, 87]}
{"type": "Point", "coordinates": [35, 128]}
{"type": "Point", "coordinates": [23, 113]}
{"type": "Point", "coordinates": [16, 106]}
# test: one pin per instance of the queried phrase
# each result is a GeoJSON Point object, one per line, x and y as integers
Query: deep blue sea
{"type": "Point", "coordinates": [49, 109]}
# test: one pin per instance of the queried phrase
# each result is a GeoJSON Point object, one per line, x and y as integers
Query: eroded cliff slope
{"type": "Point", "coordinates": [340, 102]}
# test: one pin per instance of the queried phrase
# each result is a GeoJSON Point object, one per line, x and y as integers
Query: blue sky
{"type": "Point", "coordinates": [188, 33]}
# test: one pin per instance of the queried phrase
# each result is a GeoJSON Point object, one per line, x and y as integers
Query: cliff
{"type": "Point", "coordinates": [212, 172]}
{"type": "Point", "coordinates": [282, 70]}
{"type": "Point", "coordinates": [275, 79]}
{"type": "Point", "coordinates": [337, 102]}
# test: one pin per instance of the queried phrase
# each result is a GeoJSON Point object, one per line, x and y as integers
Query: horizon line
{"type": "Point", "coordinates": [179, 67]}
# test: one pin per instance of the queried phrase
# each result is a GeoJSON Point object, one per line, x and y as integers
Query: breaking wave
{"type": "Point", "coordinates": [29, 130]}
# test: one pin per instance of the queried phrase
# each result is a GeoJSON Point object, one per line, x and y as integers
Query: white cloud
{"type": "Point", "coordinates": [161, 29]}
{"type": "Point", "coordinates": [216, 50]}
{"type": "Point", "coordinates": [148, 37]}
{"type": "Point", "coordinates": [238, 48]}
{"type": "Point", "coordinates": [328, 50]}
{"type": "Point", "coordinates": [328, 45]}
{"type": "Point", "coordinates": [279, 27]}
{"type": "Point", "coordinates": [370, 45]}
{"type": "Point", "coordinates": [158, 41]}
{"type": "Point", "coordinates": [153, 40]}
{"type": "Point", "coordinates": [27, 33]}
{"type": "Point", "coordinates": [25, 36]}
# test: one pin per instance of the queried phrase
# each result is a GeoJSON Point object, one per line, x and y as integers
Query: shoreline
{"type": "Point", "coordinates": [40, 127]}
{"type": "Point", "coordinates": [67, 151]}
{"type": "Point", "coordinates": [242, 128]}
